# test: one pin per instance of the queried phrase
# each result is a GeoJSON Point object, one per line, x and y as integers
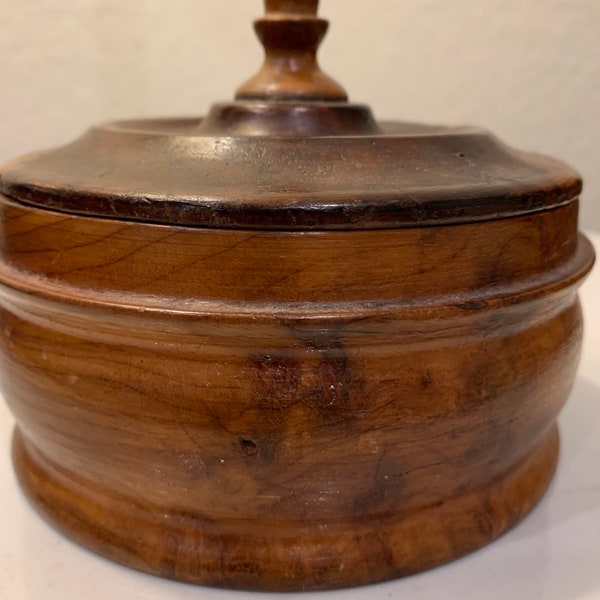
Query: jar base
{"type": "Point", "coordinates": [282, 555]}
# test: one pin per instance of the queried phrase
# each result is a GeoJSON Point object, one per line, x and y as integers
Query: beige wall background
{"type": "Point", "coordinates": [527, 69]}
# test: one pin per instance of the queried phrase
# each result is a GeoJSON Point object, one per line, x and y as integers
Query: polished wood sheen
{"type": "Point", "coordinates": [287, 410]}
{"type": "Point", "coordinates": [286, 347]}
{"type": "Point", "coordinates": [291, 34]}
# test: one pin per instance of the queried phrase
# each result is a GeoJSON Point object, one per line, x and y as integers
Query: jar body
{"type": "Point", "coordinates": [287, 410]}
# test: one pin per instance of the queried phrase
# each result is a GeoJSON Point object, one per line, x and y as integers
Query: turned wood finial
{"type": "Point", "coordinates": [291, 34]}
{"type": "Point", "coordinates": [292, 7]}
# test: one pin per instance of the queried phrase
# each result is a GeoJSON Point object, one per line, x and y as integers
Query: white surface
{"type": "Point", "coordinates": [553, 555]}
{"type": "Point", "coordinates": [529, 70]}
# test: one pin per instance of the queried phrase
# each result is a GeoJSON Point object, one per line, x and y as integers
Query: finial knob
{"type": "Point", "coordinates": [291, 34]}
{"type": "Point", "coordinates": [292, 7]}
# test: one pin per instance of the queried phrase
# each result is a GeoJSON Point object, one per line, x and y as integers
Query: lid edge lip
{"type": "Point", "coordinates": [396, 213]}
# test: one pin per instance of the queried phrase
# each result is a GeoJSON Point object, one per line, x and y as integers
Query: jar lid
{"type": "Point", "coordinates": [290, 153]}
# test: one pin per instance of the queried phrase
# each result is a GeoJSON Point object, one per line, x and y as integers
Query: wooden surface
{"type": "Point", "coordinates": [166, 171]}
{"type": "Point", "coordinates": [287, 410]}
{"type": "Point", "coordinates": [552, 555]}
{"type": "Point", "coordinates": [291, 34]}
{"type": "Point", "coordinates": [339, 360]}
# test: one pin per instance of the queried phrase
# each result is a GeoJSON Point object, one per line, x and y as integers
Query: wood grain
{"type": "Point", "coordinates": [286, 347]}
{"type": "Point", "coordinates": [287, 410]}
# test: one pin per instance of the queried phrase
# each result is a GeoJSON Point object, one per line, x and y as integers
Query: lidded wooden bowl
{"type": "Point", "coordinates": [287, 347]}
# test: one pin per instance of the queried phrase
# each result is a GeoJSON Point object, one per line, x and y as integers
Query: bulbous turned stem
{"type": "Point", "coordinates": [291, 34]}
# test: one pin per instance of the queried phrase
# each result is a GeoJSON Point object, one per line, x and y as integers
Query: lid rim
{"type": "Point", "coordinates": [162, 171]}
{"type": "Point", "coordinates": [367, 215]}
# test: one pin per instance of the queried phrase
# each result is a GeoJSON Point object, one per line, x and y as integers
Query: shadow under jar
{"type": "Point", "coordinates": [286, 347]}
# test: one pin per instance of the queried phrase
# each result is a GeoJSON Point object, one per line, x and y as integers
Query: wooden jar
{"type": "Point", "coordinates": [286, 347]}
